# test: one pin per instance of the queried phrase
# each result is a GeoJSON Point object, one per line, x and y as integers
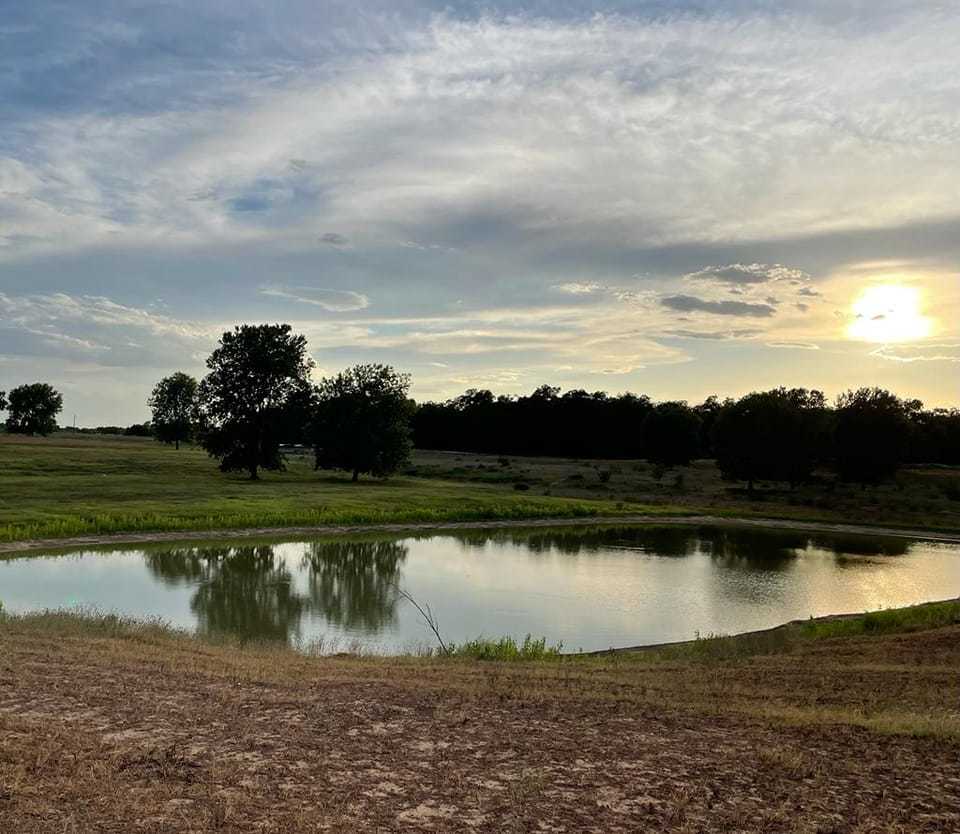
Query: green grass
{"type": "Point", "coordinates": [506, 649]}
{"type": "Point", "coordinates": [790, 636]}
{"type": "Point", "coordinates": [68, 485]}
{"type": "Point", "coordinates": [76, 485]}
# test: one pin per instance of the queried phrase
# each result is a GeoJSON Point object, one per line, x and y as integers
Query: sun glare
{"type": "Point", "coordinates": [888, 313]}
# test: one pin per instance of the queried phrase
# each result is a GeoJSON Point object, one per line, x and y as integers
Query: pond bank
{"type": "Point", "coordinates": [73, 542]}
{"type": "Point", "coordinates": [173, 734]}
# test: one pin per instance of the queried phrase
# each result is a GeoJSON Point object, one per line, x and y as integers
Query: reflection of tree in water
{"type": "Point", "coordinates": [761, 550]}
{"type": "Point", "coordinates": [250, 593]}
{"type": "Point", "coordinates": [242, 591]}
{"type": "Point", "coordinates": [355, 584]}
{"type": "Point", "coordinates": [860, 546]}
{"type": "Point", "coordinates": [662, 541]}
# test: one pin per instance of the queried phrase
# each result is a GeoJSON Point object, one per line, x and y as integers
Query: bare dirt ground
{"type": "Point", "coordinates": [591, 521]}
{"type": "Point", "coordinates": [155, 734]}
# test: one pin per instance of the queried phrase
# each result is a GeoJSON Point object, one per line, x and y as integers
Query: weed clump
{"type": "Point", "coordinates": [506, 648]}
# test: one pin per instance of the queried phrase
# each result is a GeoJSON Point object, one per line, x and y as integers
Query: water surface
{"type": "Point", "coordinates": [589, 589]}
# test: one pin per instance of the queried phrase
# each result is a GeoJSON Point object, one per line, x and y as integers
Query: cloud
{"type": "Point", "coordinates": [578, 288]}
{"type": "Point", "coordinates": [463, 130]}
{"type": "Point", "coordinates": [691, 304]}
{"type": "Point", "coordinates": [919, 353]}
{"type": "Point", "coordinates": [809, 292]}
{"type": "Point", "coordinates": [712, 335]}
{"type": "Point", "coordinates": [794, 345]}
{"type": "Point", "coordinates": [738, 275]}
{"type": "Point", "coordinates": [333, 301]}
{"type": "Point", "coordinates": [98, 330]}
{"type": "Point", "coordinates": [334, 239]}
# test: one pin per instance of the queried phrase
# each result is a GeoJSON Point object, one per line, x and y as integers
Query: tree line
{"type": "Point", "coordinates": [777, 435]}
{"type": "Point", "coordinates": [258, 396]}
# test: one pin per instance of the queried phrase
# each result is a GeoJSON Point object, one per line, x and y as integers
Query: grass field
{"type": "Point", "coordinates": [921, 497]}
{"type": "Point", "coordinates": [847, 726]}
{"type": "Point", "coordinates": [70, 485]}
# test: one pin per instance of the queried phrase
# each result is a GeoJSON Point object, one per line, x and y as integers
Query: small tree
{"type": "Point", "coordinates": [362, 421]}
{"type": "Point", "coordinates": [175, 408]}
{"type": "Point", "coordinates": [872, 434]}
{"type": "Point", "coordinates": [254, 373]}
{"type": "Point", "coordinates": [671, 434]}
{"type": "Point", "coordinates": [34, 409]}
{"type": "Point", "coordinates": [770, 435]}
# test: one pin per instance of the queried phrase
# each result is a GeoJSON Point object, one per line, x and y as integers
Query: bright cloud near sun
{"type": "Point", "coordinates": [889, 313]}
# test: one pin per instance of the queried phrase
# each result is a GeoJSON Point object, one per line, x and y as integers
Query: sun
{"type": "Point", "coordinates": [889, 313]}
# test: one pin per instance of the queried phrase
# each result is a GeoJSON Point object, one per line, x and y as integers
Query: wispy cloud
{"type": "Point", "coordinates": [334, 301]}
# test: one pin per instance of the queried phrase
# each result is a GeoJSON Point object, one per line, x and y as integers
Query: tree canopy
{"type": "Point", "coordinates": [254, 374]}
{"type": "Point", "coordinates": [33, 409]}
{"type": "Point", "coordinates": [671, 434]}
{"type": "Point", "coordinates": [362, 421]}
{"type": "Point", "coordinates": [872, 434]}
{"type": "Point", "coordinates": [770, 435]}
{"type": "Point", "coordinates": [175, 408]}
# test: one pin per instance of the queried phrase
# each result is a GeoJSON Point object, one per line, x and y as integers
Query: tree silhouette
{"type": "Point", "coordinates": [175, 408]}
{"type": "Point", "coordinates": [770, 435]}
{"type": "Point", "coordinates": [254, 374]}
{"type": "Point", "coordinates": [872, 434]}
{"type": "Point", "coordinates": [362, 421]}
{"type": "Point", "coordinates": [671, 434]}
{"type": "Point", "coordinates": [33, 409]}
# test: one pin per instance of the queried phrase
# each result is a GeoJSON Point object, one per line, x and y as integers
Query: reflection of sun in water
{"type": "Point", "coordinates": [888, 313]}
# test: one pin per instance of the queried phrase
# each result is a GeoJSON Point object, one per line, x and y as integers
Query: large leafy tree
{"type": "Point", "coordinates": [872, 434]}
{"type": "Point", "coordinates": [255, 373]}
{"type": "Point", "coordinates": [671, 434]}
{"type": "Point", "coordinates": [174, 406]}
{"type": "Point", "coordinates": [770, 435]}
{"type": "Point", "coordinates": [33, 409]}
{"type": "Point", "coordinates": [3, 400]}
{"type": "Point", "coordinates": [362, 421]}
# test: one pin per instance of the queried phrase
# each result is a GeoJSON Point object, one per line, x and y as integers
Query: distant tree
{"type": "Point", "coordinates": [3, 400]}
{"type": "Point", "coordinates": [33, 409]}
{"type": "Point", "coordinates": [671, 434]}
{"type": "Point", "coordinates": [254, 373]}
{"type": "Point", "coordinates": [872, 434]}
{"type": "Point", "coordinates": [175, 407]}
{"type": "Point", "coordinates": [139, 430]}
{"type": "Point", "coordinates": [770, 435]}
{"type": "Point", "coordinates": [362, 421]}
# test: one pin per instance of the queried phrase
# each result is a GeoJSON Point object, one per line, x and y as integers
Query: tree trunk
{"type": "Point", "coordinates": [253, 474]}
{"type": "Point", "coordinates": [176, 444]}
{"type": "Point", "coordinates": [356, 475]}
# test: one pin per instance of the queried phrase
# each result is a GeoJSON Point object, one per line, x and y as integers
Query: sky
{"type": "Point", "coordinates": [671, 198]}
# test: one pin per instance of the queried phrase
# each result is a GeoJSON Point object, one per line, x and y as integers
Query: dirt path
{"type": "Point", "coordinates": [96, 738]}
{"type": "Point", "coordinates": [328, 530]}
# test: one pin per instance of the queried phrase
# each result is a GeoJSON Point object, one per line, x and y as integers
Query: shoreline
{"type": "Point", "coordinates": [132, 538]}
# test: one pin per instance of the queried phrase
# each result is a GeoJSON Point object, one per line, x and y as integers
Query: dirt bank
{"type": "Point", "coordinates": [160, 735]}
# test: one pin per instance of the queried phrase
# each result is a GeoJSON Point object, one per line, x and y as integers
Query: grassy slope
{"type": "Point", "coordinates": [73, 485]}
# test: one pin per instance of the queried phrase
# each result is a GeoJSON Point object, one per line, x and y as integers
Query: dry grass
{"type": "Point", "coordinates": [115, 727]}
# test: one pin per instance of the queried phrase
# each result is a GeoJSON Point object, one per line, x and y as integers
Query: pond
{"type": "Point", "coordinates": [589, 589]}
